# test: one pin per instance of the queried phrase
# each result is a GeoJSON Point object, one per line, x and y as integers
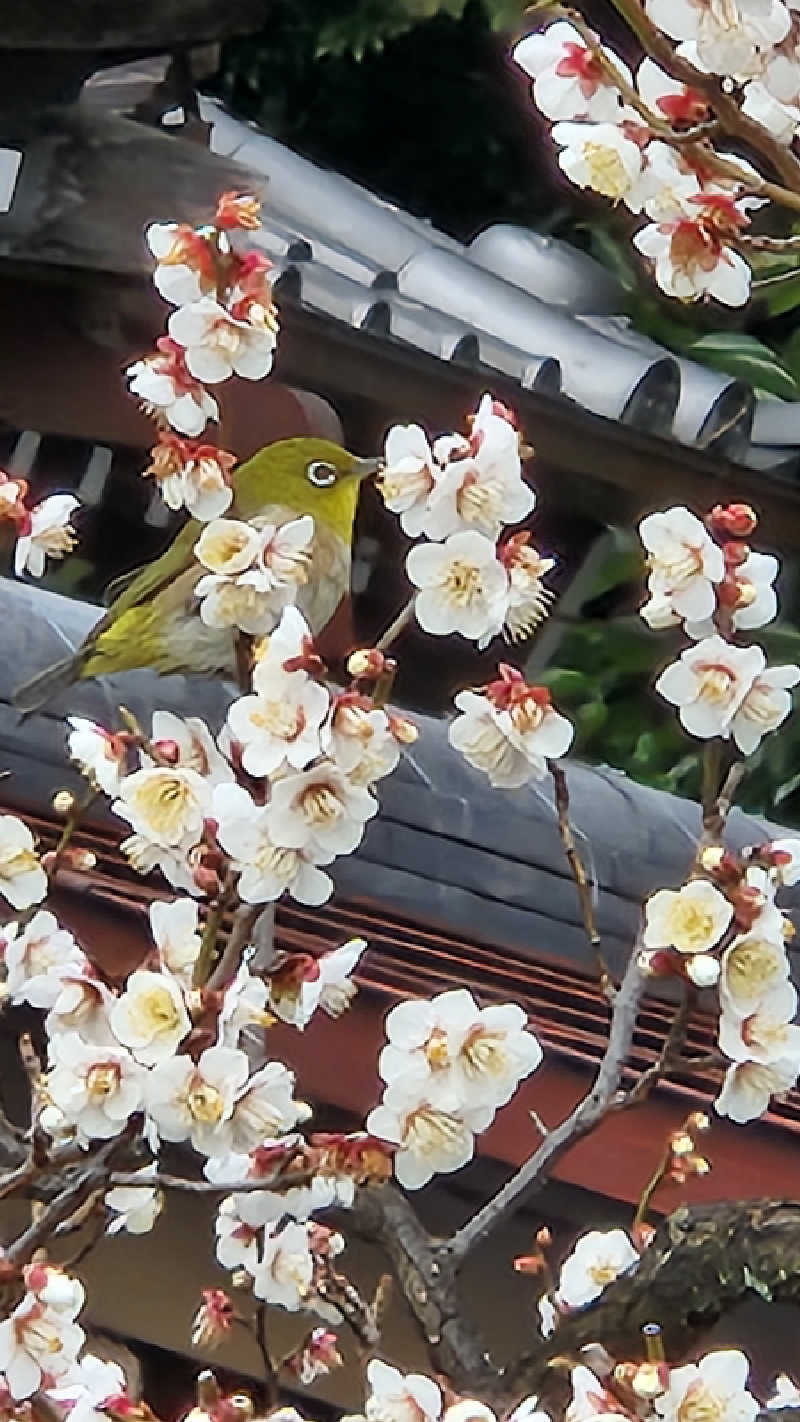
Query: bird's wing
{"type": "Point", "coordinates": [153, 577]}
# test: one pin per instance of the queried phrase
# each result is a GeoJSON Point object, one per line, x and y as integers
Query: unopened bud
{"type": "Point", "coordinates": [697, 1164]}
{"type": "Point", "coordinates": [735, 554]}
{"type": "Point", "coordinates": [624, 1373]}
{"type": "Point", "coordinates": [733, 520]}
{"type": "Point", "coordinates": [657, 963]}
{"type": "Point", "coordinates": [207, 880]}
{"type": "Point", "coordinates": [167, 751]}
{"type": "Point", "coordinates": [529, 1264]}
{"type": "Point", "coordinates": [682, 1144]}
{"type": "Point", "coordinates": [304, 1111]}
{"type": "Point", "coordinates": [787, 928]}
{"type": "Point", "coordinates": [543, 1237]}
{"type": "Point", "coordinates": [367, 662]}
{"type": "Point", "coordinates": [699, 1121]}
{"type": "Point", "coordinates": [703, 970]}
{"type": "Point", "coordinates": [678, 1177]}
{"type": "Point", "coordinates": [64, 802]}
{"type": "Point", "coordinates": [711, 858]}
{"type": "Point", "coordinates": [80, 859]}
{"type": "Point", "coordinates": [650, 1380]}
{"type": "Point", "coordinates": [403, 730]}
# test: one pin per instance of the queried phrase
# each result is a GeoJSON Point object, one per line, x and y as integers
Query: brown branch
{"type": "Point", "coordinates": [244, 922]}
{"type": "Point", "coordinates": [780, 159]}
{"type": "Point", "coordinates": [271, 1383]}
{"type": "Point", "coordinates": [669, 1056]}
{"type": "Point", "coordinates": [162, 1181]}
{"type": "Point", "coordinates": [92, 1180]}
{"type": "Point", "coordinates": [577, 867]}
{"type": "Point", "coordinates": [702, 1262]}
{"type": "Point", "coordinates": [403, 619]}
{"type": "Point", "coordinates": [585, 1116]}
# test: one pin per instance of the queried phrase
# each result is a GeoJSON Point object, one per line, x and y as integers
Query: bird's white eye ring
{"type": "Point", "coordinates": [320, 474]}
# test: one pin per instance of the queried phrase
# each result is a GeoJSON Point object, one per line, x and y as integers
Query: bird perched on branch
{"type": "Point", "coordinates": [155, 622]}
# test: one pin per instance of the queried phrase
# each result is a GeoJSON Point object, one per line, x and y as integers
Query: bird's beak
{"type": "Point", "coordinates": [365, 468]}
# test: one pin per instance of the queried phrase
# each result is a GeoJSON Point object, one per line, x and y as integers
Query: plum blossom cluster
{"type": "Point", "coordinates": [252, 571]}
{"type": "Point", "coordinates": [724, 928]}
{"type": "Point", "coordinates": [224, 324]}
{"type": "Point", "coordinates": [42, 531]}
{"type": "Point", "coordinates": [630, 137]}
{"type": "Point", "coordinates": [448, 1066]}
{"type": "Point", "coordinates": [651, 1391]}
{"type": "Point", "coordinates": [459, 493]}
{"type": "Point", "coordinates": [706, 578]}
{"type": "Point", "coordinates": [285, 788]}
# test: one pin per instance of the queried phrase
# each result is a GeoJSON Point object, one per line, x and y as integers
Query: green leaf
{"type": "Point", "coordinates": [781, 295]}
{"type": "Point", "coordinates": [746, 358]}
{"type": "Point", "coordinates": [591, 717]}
{"type": "Point", "coordinates": [786, 789]}
{"type": "Point", "coordinates": [624, 564]}
{"type": "Point", "coordinates": [564, 683]}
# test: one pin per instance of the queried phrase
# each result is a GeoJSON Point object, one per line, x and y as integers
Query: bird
{"type": "Point", "coordinates": [154, 620]}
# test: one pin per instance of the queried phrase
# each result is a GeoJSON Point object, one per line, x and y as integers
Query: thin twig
{"type": "Point", "coordinates": [163, 1181]}
{"type": "Point", "coordinates": [585, 1116]}
{"type": "Point", "coordinates": [244, 921]}
{"type": "Point", "coordinates": [270, 1372]}
{"type": "Point", "coordinates": [401, 621]}
{"type": "Point", "coordinates": [669, 1055]}
{"type": "Point", "coordinates": [208, 943]}
{"type": "Point", "coordinates": [579, 875]}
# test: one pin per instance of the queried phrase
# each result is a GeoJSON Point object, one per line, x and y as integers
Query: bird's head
{"type": "Point", "coordinates": [314, 476]}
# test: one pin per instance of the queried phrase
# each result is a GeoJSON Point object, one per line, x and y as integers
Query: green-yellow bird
{"type": "Point", "coordinates": [155, 622]}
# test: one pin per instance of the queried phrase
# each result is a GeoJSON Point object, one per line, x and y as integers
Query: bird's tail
{"type": "Point", "coordinates": [35, 693]}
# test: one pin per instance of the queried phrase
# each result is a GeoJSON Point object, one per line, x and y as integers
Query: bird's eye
{"type": "Point", "coordinates": [320, 474]}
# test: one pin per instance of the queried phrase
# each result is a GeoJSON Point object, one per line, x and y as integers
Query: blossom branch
{"type": "Point", "coordinates": [164, 1181]}
{"type": "Point", "coordinates": [578, 869]}
{"type": "Point", "coordinates": [585, 1116]}
{"type": "Point", "coordinates": [729, 115]}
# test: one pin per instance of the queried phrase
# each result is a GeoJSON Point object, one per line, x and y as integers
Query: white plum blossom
{"type": "Point", "coordinates": [767, 1035]}
{"type": "Point", "coordinates": [481, 487]}
{"type": "Point", "coordinates": [163, 383]}
{"type": "Point", "coordinates": [731, 38]}
{"type": "Point", "coordinates": [754, 964]}
{"type": "Point", "coordinates": [408, 476]}
{"type": "Point", "coordinates": [463, 587]}
{"type": "Point", "coordinates": [135, 1207]}
{"type": "Point", "coordinates": [37, 1343]}
{"type": "Point", "coordinates": [23, 881]}
{"type": "Point", "coordinates": [568, 82]}
{"type": "Point", "coordinates": [100, 755]}
{"type": "Point", "coordinates": [429, 1140]}
{"type": "Point", "coordinates": [748, 1087]}
{"type": "Point", "coordinates": [96, 1088]}
{"type": "Point", "coordinates": [266, 868]}
{"type": "Point", "coordinates": [82, 1005]}
{"type": "Point", "coordinates": [37, 958]}
{"type": "Point", "coordinates": [691, 258]}
{"type": "Point", "coordinates": [759, 602]}
{"type": "Point", "coordinates": [237, 1238]}
{"type": "Point", "coordinates": [284, 1272]}
{"type": "Point", "coordinates": [400, 1397]}
{"type": "Point", "coordinates": [243, 1006]}
{"type": "Point", "coordinates": [716, 1385]}
{"type": "Point", "coordinates": [280, 725]}
{"type": "Point", "coordinates": [173, 925]}
{"type": "Point", "coordinates": [598, 1258]}
{"type": "Point", "coordinates": [765, 707]}
{"type": "Point", "coordinates": [685, 563]}
{"type": "Point", "coordinates": [218, 345]}
{"type": "Point", "coordinates": [88, 1386]}
{"type": "Point", "coordinates": [264, 1109]}
{"type": "Point", "coordinates": [669, 98]}
{"type": "Point", "coordinates": [325, 983]}
{"type": "Point", "coordinates": [510, 732]}
{"type": "Point", "coordinates": [472, 1056]}
{"type": "Point", "coordinates": [227, 546]}
{"type": "Point", "coordinates": [192, 1100]}
{"type": "Point", "coordinates": [320, 811]}
{"type": "Point", "coordinates": [200, 484]}
{"type": "Point", "coordinates": [150, 1017]}
{"type": "Point", "coordinates": [360, 740]}
{"type": "Point", "coordinates": [709, 683]}
{"type": "Point", "coordinates": [166, 805]}
{"type": "Point", "coordinates": [185, 262]}
{"type": "Point", "coordinates": [668, 184]}
{"type": "Point", "coordinates": [240, 603]}
{"type": "Point", "coordinates": [599, 156]}
{"type": "Point", "coordinates": [48, 535]}
{"type": "Point", "coordinates": [691, 919]}
{"type": "Point", "coordinates": [192, 745]}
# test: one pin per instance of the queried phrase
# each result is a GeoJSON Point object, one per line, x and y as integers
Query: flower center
{"type": "Point", "coordinates": [436, 1050]}
{"type": "Point", "coordinates": [462, 582]}
{"type": "Point", "coordinates": [205, 1102]}
{"type": "Point", "coordinates": [692, 927]}
{"type": "Point", "coordinates": [477, 501]}
{"type": "Point", "coordinates": [716, 684]}
{"type": "Point", "coordinates": [752, 967]}
{"type": "Point", "coordinates": [484, 1054]}
{"type": "Point", "coordinates": [700, 1404]}
{"type": "Point", "coordinates": [679, 565]}
{"type": "Point", "coordinates": [760, 706]}
{"type": "Point", "coordinates": [164, 801]}
{"type": "Point", "coordinates": [280, 862]}
{"type": "Point", "coordinates": [226, 338]}
{"type": "Point", "coordinates": [154, 1012]}
{"type": "Point", "coordinates": [16, 861]}
{"type": "Point", "coordinates": [321, 805]}
{"type": "Point", "coordinates": [278, 719]}
{"type": "Point", "coordinates": [432, 1132]}
{"type": "Point", "coordinates": [602, 1272]}
{"type": "Point", "coordinates": [607, 171]}
{"type": "Point", "coordinates": [102, 1081]}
